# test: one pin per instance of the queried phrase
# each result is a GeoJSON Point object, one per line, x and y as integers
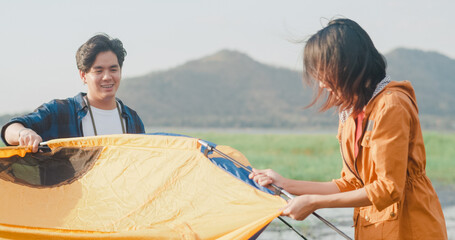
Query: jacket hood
{"type": "Point", "coordinates": [386, 85]}
{"type": "Point", "coordinates": [404, 87]}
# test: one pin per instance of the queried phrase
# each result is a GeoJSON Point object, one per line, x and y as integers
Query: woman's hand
{"type": "Point", "coordinates": [28, 137]}
{"type": "Point", "coordinates": [300, 207]}
{"type": "Point", "coordinates": [267, 177]}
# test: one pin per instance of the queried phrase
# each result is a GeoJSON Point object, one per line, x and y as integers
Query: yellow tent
{"type": "Point", "coordinates": [127, 187]}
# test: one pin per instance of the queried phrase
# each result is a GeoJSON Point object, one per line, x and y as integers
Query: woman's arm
{"type": "Point", "coordinates": [302, 206]}
{"type": "Point", "coordinates": [295, 187]}
{"type": "Point", "coordinates": [311, 195]}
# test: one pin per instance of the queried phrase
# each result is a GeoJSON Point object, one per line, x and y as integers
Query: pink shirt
{"type": "Point", "coordinates": [358, 131]}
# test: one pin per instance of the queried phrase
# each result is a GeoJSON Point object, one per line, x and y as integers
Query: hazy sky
{"type": "Point", "coordinates": [39, 38]}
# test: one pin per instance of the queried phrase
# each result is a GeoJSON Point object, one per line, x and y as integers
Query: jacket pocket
{"type": "Point", "coordinates": [370, 215]}
{"type": "Point", "coordinates": [374, 225]}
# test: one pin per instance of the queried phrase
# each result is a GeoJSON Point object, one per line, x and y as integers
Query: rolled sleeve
{"type": "Point", "coordinates": [346, 182]}
{"type": "Point", "coordinates": [343, 185]}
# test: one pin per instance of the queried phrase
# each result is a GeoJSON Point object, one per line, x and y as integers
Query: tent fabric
{"type": "Point", "coordinates": [64, 165]}
{"type": "Point", "coordinates": [139, 187]}
{"type": "Point", "coordinates": [11, 151]}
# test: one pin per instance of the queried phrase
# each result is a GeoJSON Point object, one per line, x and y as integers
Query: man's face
{"type": "Point", "coordinates": [103, 78]}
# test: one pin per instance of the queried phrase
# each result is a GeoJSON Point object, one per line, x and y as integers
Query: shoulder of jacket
{"type": "Point", "coordinates": [392, 97]}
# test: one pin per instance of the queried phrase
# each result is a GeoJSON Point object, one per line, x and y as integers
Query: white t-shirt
{"type": "Point", "coordinates": [106, 122]}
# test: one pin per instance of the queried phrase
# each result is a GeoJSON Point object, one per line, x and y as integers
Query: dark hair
{"type": "Point", "coordinates": [86, 54]}
{"type": "Point", "coordinates": [344, 58]}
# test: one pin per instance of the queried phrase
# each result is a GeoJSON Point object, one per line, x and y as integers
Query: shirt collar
{"type": "Point", "coordinates": [379, 87]}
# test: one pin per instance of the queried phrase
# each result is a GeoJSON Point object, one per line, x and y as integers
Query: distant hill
{"type": "Point", "coordinates": [226, 89]}
{"type": "Point", "coordinates": [231, 90]}
{"type": "Point", "coordinates": [433, 78]}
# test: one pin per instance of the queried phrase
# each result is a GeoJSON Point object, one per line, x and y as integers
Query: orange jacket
{"type": "Point", "coordinates": [391, 167]}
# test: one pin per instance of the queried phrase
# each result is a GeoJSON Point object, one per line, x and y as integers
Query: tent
{"type": "Point", "coordinates": [130, 187]}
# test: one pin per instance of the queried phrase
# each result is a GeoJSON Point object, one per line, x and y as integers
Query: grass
{"type": "Point", "coordinates": [440, 150]}
{"type": "Point", "coordinates": [295, 156]}
{"type": "Point", "coordinates": [317, 156]}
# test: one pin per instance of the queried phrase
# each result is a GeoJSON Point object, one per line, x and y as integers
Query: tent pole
{"type": "Point", "coordinates": [291, 227]}
{"type": "Point", "coordinates": [278, 189]}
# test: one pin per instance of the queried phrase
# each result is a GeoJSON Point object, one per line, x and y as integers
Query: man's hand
{"type": "Point", "coordinates": [17, 134]}
{"type": "Point", "coordinates": [28, 137]}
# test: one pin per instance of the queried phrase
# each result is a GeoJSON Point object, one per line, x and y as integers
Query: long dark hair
{"type": "Point", "coordinates": [345, 59]}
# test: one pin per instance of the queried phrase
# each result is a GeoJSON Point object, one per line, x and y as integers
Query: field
{"type": "Point", "coordinates": [317, 156]}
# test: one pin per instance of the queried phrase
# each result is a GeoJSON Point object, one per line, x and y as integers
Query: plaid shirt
{"type": "Point", "coordinates": [62, 118]}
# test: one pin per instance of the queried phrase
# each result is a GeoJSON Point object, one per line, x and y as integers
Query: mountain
{"type": "Point", "coordinates": [231, 90]}
{"type": "Point", "coordinates": [433, 78]}
{"type": "Point", "coordinates": [226, 89]}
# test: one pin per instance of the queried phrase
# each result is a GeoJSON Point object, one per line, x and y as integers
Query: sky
{"type": "Point", "coordinates": [39, 39]}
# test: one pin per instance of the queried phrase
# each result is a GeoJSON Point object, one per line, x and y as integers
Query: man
{"type": "Point", "coordinates": [97, 112]}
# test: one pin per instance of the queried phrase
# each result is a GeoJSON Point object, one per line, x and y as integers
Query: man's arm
{"type": "Point", "coordinates": [17, 134]}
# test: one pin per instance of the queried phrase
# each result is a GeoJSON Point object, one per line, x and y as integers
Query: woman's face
{"type": "Point", "coordinates": [323, 85]}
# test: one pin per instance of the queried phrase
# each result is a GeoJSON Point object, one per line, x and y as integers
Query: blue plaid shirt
{"type": "Point", "coordinates": [62, 118]}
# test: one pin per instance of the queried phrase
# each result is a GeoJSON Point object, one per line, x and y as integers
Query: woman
{"type": "Point", "coordinates": [383, 175]}
{"type": "Point", "coordinates": [97, 112]}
